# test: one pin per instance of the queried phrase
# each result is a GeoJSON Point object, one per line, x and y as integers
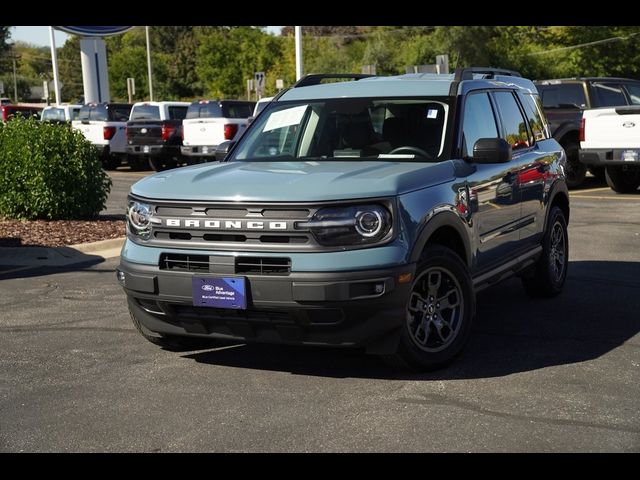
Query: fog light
{"type": "Point", "coordinates": [120, 277]}
{"type": "Point", "coordinates": [378, 288]}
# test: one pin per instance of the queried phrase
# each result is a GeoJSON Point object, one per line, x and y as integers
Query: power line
{"type": "Point", "coordinates": [588, 44]}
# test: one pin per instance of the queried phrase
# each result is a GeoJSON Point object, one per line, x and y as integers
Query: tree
{"type": "Point", "coordinates": [70, 70]}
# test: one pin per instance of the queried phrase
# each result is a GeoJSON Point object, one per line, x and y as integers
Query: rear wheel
{"type": "Point", "coordinates": [137, 163]}
{"type": "Point", "coordinates": [597, 172]}
{"type": "Point", "coordinates": [550, 271]}
{"type": "Point", "coordinates": [575, 170]}
{"type": "Point", "coordinates": [170, 342]}
{"type": "Point", "coordinates": [160, 164]}
{"type": "Point", "coordinates": [439, 312]}
{"type": "Point", "coordinates": [623, 178]}
{"type": "Point", "coordinates": [111, 162]}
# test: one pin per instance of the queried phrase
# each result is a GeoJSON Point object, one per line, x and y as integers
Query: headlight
{"type": "Point", "coordinates": [353, 225]}
{"type": "Point", "coordinates": [139, 219]}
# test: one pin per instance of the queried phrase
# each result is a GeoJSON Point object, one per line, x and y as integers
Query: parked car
{"type": "Point", "coordinates": [363, 213]}
{"type": "Point", "coordinates": [210, 122]}
{"type": "Point", "coordinates": [610, 138]}
{"type": "Point", "coordinates": [565, 99]}
{"type": "Point", "coordinates": [5, 101]}
{"type": "Point", "coordinates": [154, 134]}
{"type": "Point", "coordinates": [61, 113]}
{"type": "Point", "coordinates": [9, 110]}
{"type": "Point", "coordinates": [103, 124]}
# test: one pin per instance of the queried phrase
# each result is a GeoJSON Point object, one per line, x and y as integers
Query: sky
{"type": "Point", "coordinates": [40, 35]}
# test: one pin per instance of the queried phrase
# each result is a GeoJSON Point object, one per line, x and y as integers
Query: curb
{"type": "Point", "coordinates": [101, 248]}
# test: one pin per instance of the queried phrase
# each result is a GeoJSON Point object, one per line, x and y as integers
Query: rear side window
{"type": "Point", "coordinates": [563, 95]}
{"type": "Point", "coordinates": [514, 127]}
{"type": "Point", "coordinates": [145, 112]}
{"type": "Point", "coordinates": [84, 113]}
{"type": "Point", "coordinates": [534, 115]}
{"type": "Point", "coordinates": [609, 94]}
{"type": "Point", "coordinates": [479, 122]}
{"type": "Point", "coordinates": [633, 91]}
{"type": "Point", "coordinates": [119, 113]}
{"type": "Point", "coordinates": [177, 113]}
{"type": "Point", "coordinates": [204, 110]}
{"type": "Point", "coordinates": [53, 115]}
{"type": "Point", "coordinates": [74, 112]}
{"type": "Point", "coordinates": [237, 110]}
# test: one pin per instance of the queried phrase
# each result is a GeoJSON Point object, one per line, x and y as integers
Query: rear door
{"type": "Point", "coordinates": [91, 121]}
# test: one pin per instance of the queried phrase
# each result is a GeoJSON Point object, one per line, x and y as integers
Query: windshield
{"type": "Point", "coordinates": [334, 129]}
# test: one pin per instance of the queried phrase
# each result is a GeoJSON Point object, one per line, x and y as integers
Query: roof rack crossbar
{"type": "Point", "coordinates": [315, 79]}
{"type": "Point", "coordinates": [467, 73]}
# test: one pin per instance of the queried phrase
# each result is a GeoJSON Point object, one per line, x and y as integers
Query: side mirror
{"type": "Point", "coordinates": [491, 150]}
{"type": "Point", "coordinates": [223, 149]}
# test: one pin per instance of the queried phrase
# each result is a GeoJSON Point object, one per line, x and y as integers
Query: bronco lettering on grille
{"type": "Point", "coordinates": [226, 224]}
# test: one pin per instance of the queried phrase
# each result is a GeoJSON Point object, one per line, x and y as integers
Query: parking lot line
{"type": "Point", "coordinates": [617, 197]}
{"type": "Point", "coordinates": [599, 189]}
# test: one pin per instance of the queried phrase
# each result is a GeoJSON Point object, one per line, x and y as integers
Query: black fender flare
{"type": "Point", "coordinates": [565, 129]}
{"type": "Point", "coordinates": [558, 188]}
{"type": "Point", "coordinates": [442, 219]}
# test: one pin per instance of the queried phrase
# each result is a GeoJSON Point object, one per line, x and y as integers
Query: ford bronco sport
{"type": "Point", "coordinates": [363, 213]}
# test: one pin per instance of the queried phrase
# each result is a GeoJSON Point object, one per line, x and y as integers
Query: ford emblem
{"type": "Point", "coordinates": [144, 130]}
{"type": "Point", "coordinates": [628, 124]}
{"type": "Point", "coordinates": [208, 288]}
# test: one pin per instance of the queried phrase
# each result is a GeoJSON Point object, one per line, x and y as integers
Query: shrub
{"type": "Point", "coordinates": [49, 171]}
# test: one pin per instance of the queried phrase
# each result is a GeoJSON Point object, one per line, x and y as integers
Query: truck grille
{"type": "Point", "coordinates": [221, 264]}
{"type": "Point", "coordinates": [226, 226]}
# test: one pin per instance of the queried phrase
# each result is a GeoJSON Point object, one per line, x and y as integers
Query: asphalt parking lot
{"type": "Point", "coordinates": [537, 375]}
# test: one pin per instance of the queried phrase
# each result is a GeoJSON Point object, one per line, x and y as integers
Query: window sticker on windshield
{"type": "Point", "coordinates": [432, 113]}
{"type": "Point", "coordinates": [284, 118]}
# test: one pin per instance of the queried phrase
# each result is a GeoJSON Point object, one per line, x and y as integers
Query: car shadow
{"type": "Point", "coordinates": [52, 261]}
{"type": "Point", "coordinates": [596, 313]}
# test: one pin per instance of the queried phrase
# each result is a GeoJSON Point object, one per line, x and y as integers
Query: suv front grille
{"type": "Point", "coordinates": [225, 264]}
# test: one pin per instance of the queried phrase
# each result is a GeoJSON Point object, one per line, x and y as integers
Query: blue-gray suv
{"type": "Point", "coordinates": [360, 213]}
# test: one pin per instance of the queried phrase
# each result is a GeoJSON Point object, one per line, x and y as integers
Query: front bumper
{"type": "Point", "coordinates": [364, 308]}
{"type": "Point", "coordinates": [154, 150]}
{"type": "Point", "coordinates": [610, 156]}
{"type": "Point", "coordinates": [199, 150]}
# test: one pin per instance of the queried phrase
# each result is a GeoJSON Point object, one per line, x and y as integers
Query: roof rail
{"type": "Point", "coordinates": [315, 79]}
{"type": "Point", "coordinates": [467, 73]}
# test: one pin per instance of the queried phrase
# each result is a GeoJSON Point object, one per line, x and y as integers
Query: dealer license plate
{"type": "Point", "coordinates": [145, 149]}
{"type": "Point", "coordinates": [630, 155]}
{"type": "Point", "coordinates": [219, 292]}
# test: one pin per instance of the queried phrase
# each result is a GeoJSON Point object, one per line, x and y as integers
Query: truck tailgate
{"type": "Point", "coordinates": [210, 131]}
{"type": "Point", "coordinates": [617, 127]}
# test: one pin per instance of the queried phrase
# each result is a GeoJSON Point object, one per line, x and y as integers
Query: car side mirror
{"type": "Point", "coordinates": [491, 150]}
{"type": "Point", "coordinates": [223, 149]}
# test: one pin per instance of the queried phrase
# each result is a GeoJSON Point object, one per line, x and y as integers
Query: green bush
{"type": "Point", "coordinates": [49, 171]}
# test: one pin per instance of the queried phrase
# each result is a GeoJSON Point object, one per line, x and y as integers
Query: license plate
{"type": "Point", "coordinates": [219, 292]}
{"type": "Point", "coordinates": [205, 149]}
{"type": "Point", "coordinates": [630, 155]}
{"type": "Point", "coordinates": [145, 149]}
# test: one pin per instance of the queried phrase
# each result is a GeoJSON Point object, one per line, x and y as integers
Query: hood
{"type": "Point", "coordinates": [292, 181]}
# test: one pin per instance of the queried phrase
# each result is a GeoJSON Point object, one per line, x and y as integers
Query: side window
{"type": "Point", "coordinates": [609, 95]}
{"type": "Point", "coordinates": [479, 121]}
{"type": "Point", "coordinates": [119, 113]}
{"type": "Point", "coordinates": [99, 113]}
{"type": "Point", "coordinates": [536, 121]}
{"type": "Point", "coordinates": [563, 95]}
{"type": "Point", "coordinates": [633, 90]}
{"type": "Point", "coordinates": [85, 111]}
{"type": "Point", "coordinates": [514, 127]}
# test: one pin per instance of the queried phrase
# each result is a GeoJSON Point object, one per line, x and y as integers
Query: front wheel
{"type": "Point", "coordinates": [623, 178]}
{"type": "Point", "coordinates": [439, 312]}
{"type": "Point", "coordinates": [550, 271]}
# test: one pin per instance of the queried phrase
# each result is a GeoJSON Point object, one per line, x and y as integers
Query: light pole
{"type": "Point", "coordinates": [149, 66]}
{"type": "Point", "coordinates": [54, 62]}
{"type": "Point", "coordinates": [298, 31]}
{"type": "Point", "coordinates": [15, 81]}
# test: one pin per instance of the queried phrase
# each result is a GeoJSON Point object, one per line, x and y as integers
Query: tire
{"type": "Point", "coordinates": [170, 342]}
{"type": "Point", "coordinates": [575, 170]}
{"type": "Point", "coordinates": [622, 178]}
{"type": "Point", "coordinates": [159, 164]}
{"type": "Point", "coordinates": [433, 335]}
{"type": "Point", "coordinates": [137, 163]}
{"type": "Point", "coordinates": [550, 271]}
{"type": "Point", "coordinates": [111, 162]}
{"type": "Point", "coordinates": [598, 172]}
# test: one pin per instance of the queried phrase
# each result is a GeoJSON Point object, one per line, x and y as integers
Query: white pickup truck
{"type": "Point", "coordinates": [211, 122]}
{"type": "Point", "coordinates": [610, 137]}
{"type": "Point", "coordinates": [104, 124]}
